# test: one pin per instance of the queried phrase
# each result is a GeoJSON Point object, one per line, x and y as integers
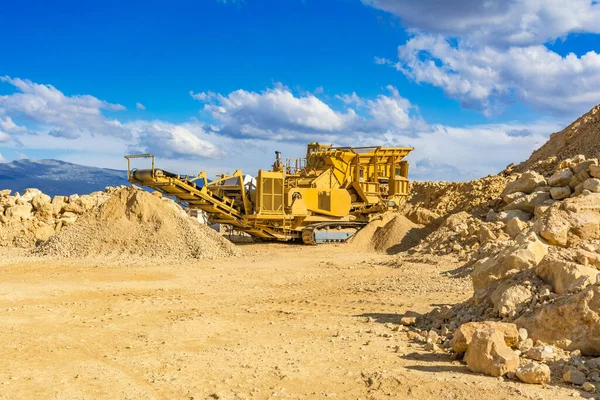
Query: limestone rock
{"type": "Point", "coordinates": [505, 216]}
{"type": "Point", "coordinates": [514, 227]}
{"type": "Point", "coordinates": [509, 198]}
{"type": "Point", "coordinates": [571, 322]}
{"type": "Point", "coordinates": [575, 377]}
{"type": "Point", "coordinates": [585, 257]}
{"type": "Point", "coordinates": [595, 171]}
{"type": "Point", "coordinates": [571, 221]}
{"type": "Point", "coordinates": [525, 254]}
{"type": "Point", "coordinates": [588, 387]}
{"type": "Point", "coordinates": [529, 202]}
{"type": "Point", "coordinates": [534, 373]}
{"type": "Point", "coordinates": [508, 296]}
{"type": "Point", "coordinates": [419, 215]}
{"type": "Point", "coordinates": [592, 184]}
{"type": "Point", "coordinates": [540, 353]}
{"type": "Point", "coordinates": [30, 193]}
{"type": "Point", "coordinates": [584, 166]}
{"type": "Point", "coordinates": [20, 211]}
{"type": "Point", "coordinates": [489, 354]}
{"type": "Point", "coordinates": [560, 192]}
{"type": "Point", "coordinates": [5, 193]}
{"type": "Point", "coordinates": [526, 183]}
{"type": "Point", "coordinates": [464, 334]}
{"type": "Point", "coordinates": [486, 234]}
{"type": "Point", "coordinates": [561, 177]}
{"type": "Point", "coordinates": [565, 276]}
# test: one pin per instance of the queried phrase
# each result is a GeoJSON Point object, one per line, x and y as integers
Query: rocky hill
{"type": "Point", "coordinates": [581, 137]}
{"type": "Point", "coordinates": [55, 177]}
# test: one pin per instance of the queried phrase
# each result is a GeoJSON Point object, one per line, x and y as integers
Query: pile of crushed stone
{"type": "Point", "coordinates": [132, 222]}
{"type": "Point", "coordinates": [582, 137]}
{"type": "Point", "coordinates": [392, 233]}
{"type": "Point", "coordinates": [444, 198]}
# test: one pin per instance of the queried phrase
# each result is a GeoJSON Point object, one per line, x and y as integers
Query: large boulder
{"type": "Point", "coordinates": [570, 322]}
{"type": "Point", "coordinates": [17, 211]}
{"type": "Point", "coordinates": [508, 296]}
{"type": "Point", "coordinates": [30, 193]}
{"type": "Point", "coordinates": [525, 254]}
{"type": "Point", "coordinates": [5, 192]}
{"type": "Point", "coordinates": [514, 227]}
{"type": "Point", "coordinates": [571, 221]}
{"type": "Point", "coordinates": [488, 354]}
{"type": "Point", "coordinates": [534, 373]}
{"type": "Point", "coordinates": [464, 334]}
{"type": "Point", "coordinates": [560, 192]}
{"type": "Point", "coordinates": [584, 166]}
{"type": "Point", "coordinates": [565, 276]}
{"type": "Point", "coordinates": [561, 177]}
{"type": "Point", "coordinates": [526, 183]}
{"type": "Point", "coordinates": [58, 203]}
{"type": "Point", "coordinates": [505, 216]}
{"type": "Point", "coordinates": [529, 202]}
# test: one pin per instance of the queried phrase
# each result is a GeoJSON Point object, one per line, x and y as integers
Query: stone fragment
{"type": "Point", "coordinates": [5, 192]}
{"type": "Point", "coordinates": [560, 192]}
{"type": "Point", "coordinates": [595, 171]}
{"type": "Point", "coordinates": [525, 345]}
{"type": "Point", "coordinates": [464, 334]}
{"type": "Point", "coordinates": [486, 235]}
{"type": "Point", "coordinates": [508, 296]}
{"type": "Point", "coordinates": [20, 211]}
{"type": "Point", "coordinates": [575, 377]}
{"type": "Point", "coordinates": [540, 353]}
{"type": "Point", "coordinates": [506, 216]}
{"type": "Point", "coordinates": [565, 276]}
{"type": "Point", "coordinates": [588, 387]}
{"type": "Point", "coordinates": [592, 184]}
{"type": "Point", "coordinates": [527, 253]}
{"type": "Point", "coordinates": [509, 198]}
{"type": "Point", "coordinates": [526, 183]}
{"type": "Point", "coordinates": [30, 193]}
{"type": "Point", "coordinates": [561, 177]}
{"type": "Point", "coordinates": [488, 354]}
{"type": "Point", "coordinates": [584, 166]}
{"type": "Point", "coordinates": [534, 373]}
{"type": "Point", "coordinates": [514, 227]}
{"type": "Point", "coordinates": [529, 202]}
{"type": "Point", "coordinates": [570, 322]}
{"type": "Point", "coordinates": [522, 334]}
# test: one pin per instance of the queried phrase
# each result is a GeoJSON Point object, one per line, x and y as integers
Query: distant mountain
{"type": "Point", "coordinates": [55, 177]}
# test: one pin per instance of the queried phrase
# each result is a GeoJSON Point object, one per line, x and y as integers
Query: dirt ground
{"type": "Point", "coordinates": [284, 321]}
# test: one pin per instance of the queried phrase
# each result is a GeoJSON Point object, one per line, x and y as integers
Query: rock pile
{"type": "Point", "coordinates": [581, 137]}
{"type": "Point", "coordinates": [444, 198]}
{"type": "Point", "coordinates": [535, 266]}
{"type": "Point", "coordinates": [34, 216]}
{"type": "Point", "coordinates": [133, 222]}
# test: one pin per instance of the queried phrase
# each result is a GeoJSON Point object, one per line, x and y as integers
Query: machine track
{"type": "Point", "coordinates": [330, 232]}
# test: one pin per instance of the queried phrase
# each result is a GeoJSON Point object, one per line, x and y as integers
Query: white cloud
{"type": "Point", "coordinates": [49, 110]}
{"type": "Point", "coordinates": [488, 54]}
{"type": "Point", "coordinates": [500, 22]}
{"type": "Point", "coordinates": [2, 159]}
{"type": "Point", "coordinates": [487, 78]}
{"type": "Point", "coordinates": [382, 61]}
{"type": "Point", "coordinates": [172, 141]}
{"type": "Point", "coordinates": [278, 114]}
{"type": "Point", "coordinates": [140, 107]}
{"type": "Point", "coordinates": [252, 125]}
{"type": "Point", "coordinates": [53, 120]}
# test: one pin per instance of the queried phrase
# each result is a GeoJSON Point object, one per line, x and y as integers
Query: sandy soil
{"type": "Point", "coordinates": [285, 321]}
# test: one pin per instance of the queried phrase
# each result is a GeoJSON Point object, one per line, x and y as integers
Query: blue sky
{"type": "Point", "coordinates": [220, 85]}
